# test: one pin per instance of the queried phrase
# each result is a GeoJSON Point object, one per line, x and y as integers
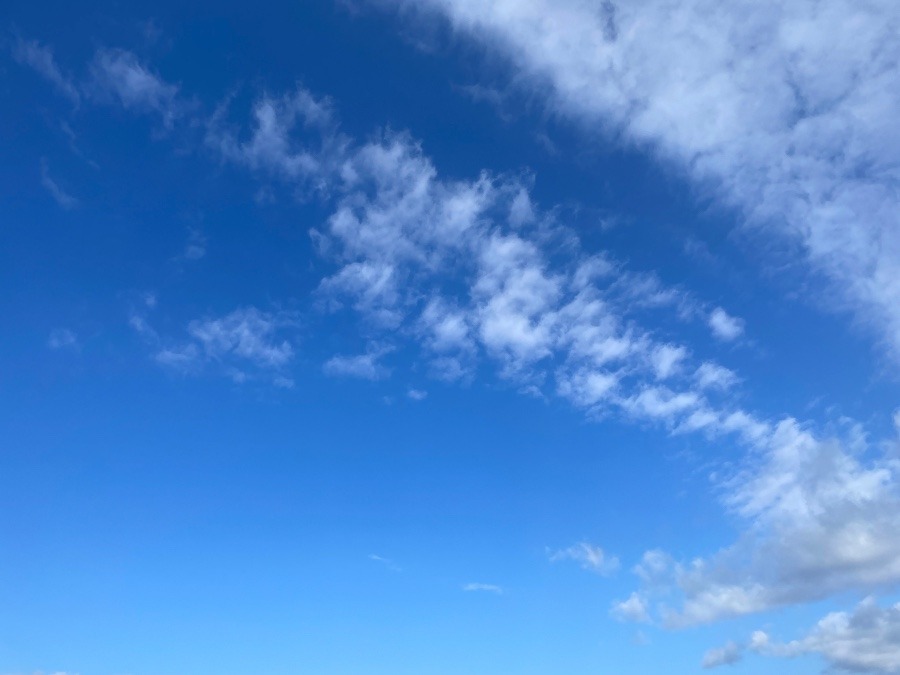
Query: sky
{"type": "Point", "coordinates": [450, 337]}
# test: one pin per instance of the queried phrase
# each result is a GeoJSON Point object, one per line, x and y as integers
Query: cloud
{"type": "Point", "coordinates": [686, 80]}
{"type": "Point", "coordinates": [634, 608]}
{"type": "Point", "coordinates": [389, 564]}
{"type": "Point", "coordinates": [118, 76]}
{"type": "Point", "coordinates": [40, 58]}
{"type": "Point", "coordinates": [62, 338]}
{"type": "Point", "coordinates": [866, 640]}
{"type": "Point", "coordinates": [196, 245]}
{"type": "Point", "coordinates": [417, 394]}
{"type": "Point", "coordinates": [588, 556]}
{"type": "Point", "coordinates": [727, 654]}
{"type": "Point", "coordinates": [63, 198]}
{"type": "Point", "coordinates": [485, 588]}
{"type": "Point", "coordinates": [115, 76]}
{"type": "Point", "coordinates": [364, 366]}
{"type": "Point", "coordinates": [280, 142]}
{"type": "Point", "coordinates": [244, 344]}
{"type": "Point", "coordinates": [713, 376]}
{"type": "Point", "coordinates": [724, 326]}
{"type": "Point", "coordinates": [819, 521]}
{"type": "Point", "coordinates": [246, 333]}
{"type": "Point", "coordinates": [667, 359]}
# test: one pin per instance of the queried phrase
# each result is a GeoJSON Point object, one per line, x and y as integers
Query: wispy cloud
{"type": "Point", "coordinates": [114, 76]}
{"type": "Point", "coordinates": [40, 58]}
{"type": "Point", "coordinates": [482, 588]}
{"type": "Point", "coordinates": [244, 344]}
{"type": "Point", "coordinates": [364, 366]}
{"type": "Point", "coordinates": [590, 557]}
{"type": "Point", "coordinates": [63, 198]}
{"type": "Point", "coordinates": [389, 564]}
{"type": "Point", "coordinates": [118, 76]}
{"type": "Point", "coordinates": [62, 338]}
{"type": "Point", "coordinates": [195, 248]}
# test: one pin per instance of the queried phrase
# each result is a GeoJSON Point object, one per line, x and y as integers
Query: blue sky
{"type": "Point", "coordinates": [450, 337]}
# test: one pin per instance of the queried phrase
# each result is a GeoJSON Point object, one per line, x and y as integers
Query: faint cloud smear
{"type": "Point", "coordinates": [62, 338]}
{"type": "Point", "coordinates": [118, 76]}
{"type": "Point", "coordinates": [40, 58]}
{"type": "Point", "coordinates": [589, 557]}
{"type": "Point", "coordinates": [364, 366]}
{"type": "Point", "coordinates": [389, 564]}
{"type": "Point", "coordinates": [482, 588]}
{"type": "Point", "coordinates": [63, 198]}
{"type": "Point", "coordinates": [246, 344]}
{"type": "Point", "coordinates": [196, 245]}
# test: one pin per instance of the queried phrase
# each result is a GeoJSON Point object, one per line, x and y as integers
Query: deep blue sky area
{"type": "Point", "coordinates": [347, 337]}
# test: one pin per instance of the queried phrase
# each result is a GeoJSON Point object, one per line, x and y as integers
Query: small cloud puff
{"type": "Point", "coordinates": [728, 654]}
{"type": "Point", "coordinates": [724, 326]}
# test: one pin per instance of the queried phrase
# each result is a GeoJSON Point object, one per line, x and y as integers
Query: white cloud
{"type": "Point", "coordinates": [417, 394]}
{"type": "Point", "coordinates": [364, 366]}
{"type": "Point", "coordinates": [724, 326]}
{"type": "Point", "coordinates": [485, 588]}
{"type": "Point", "coordinates": [279, 143]}
{"type": "Point", "coordinates": [115, 76]}
{"type": "Point", "coordinates": [449, 266]}
{"type": "Point", "coordinates": [634, 608]}
{"type": "Point", "coordinates": [786, 112]}
{"type": "Point", "coordinates": [590, 557]}
{"type": "Point", "coordinates": [713, 376]}
{"type": "Point", "coordinates": [246, 333]}
{"type": "Point", "coordinates": [727, 654]}
{"type": "Point", "coordinates": [866, 640]}
{"type": "Point", "coordinates": [819, 521]}
{"type": "Point", "coordinates": [118, 76]}
{"type": "Point", "coordinates": [244, 344]}
{"type": "Point", "coordinates": [666, 360]}
{"type": "Point", "coordinates": [63, 198]}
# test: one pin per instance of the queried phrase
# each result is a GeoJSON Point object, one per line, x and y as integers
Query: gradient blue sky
{"type": "Point", "coordinates": [449, 337]}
